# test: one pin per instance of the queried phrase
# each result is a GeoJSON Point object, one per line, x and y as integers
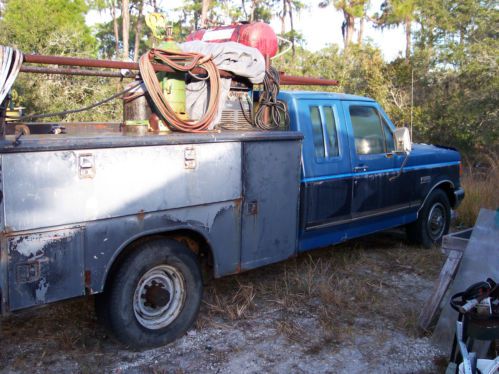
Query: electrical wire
{"type": "Point", "coordinates": [268, 103]}
{"type": "Point", "coordinates": [66, 112]}
{"type": "Point", "coordinates": [184, 62]}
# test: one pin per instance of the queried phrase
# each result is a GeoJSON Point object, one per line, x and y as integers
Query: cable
{"type": "Point", "coordinates": [184, 62]}
{"type": "Point", "coordinates": [268, 101]}
{"type": "Point", "coordinates": [66, 112]}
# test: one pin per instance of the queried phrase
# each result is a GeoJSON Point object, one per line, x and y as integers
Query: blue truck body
{"type": "Point", "coordinates": [79, 213]}
{"type": "Point", "coordinates": [346, 195]}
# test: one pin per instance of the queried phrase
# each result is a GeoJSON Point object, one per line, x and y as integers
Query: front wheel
{"type": "Point", "coordinates": [154, 296]}
{"type": "Point", "coordinates": [433, 221]}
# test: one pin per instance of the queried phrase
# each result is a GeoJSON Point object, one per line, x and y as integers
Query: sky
{"type": "Point", "coordinates": [319, 26]}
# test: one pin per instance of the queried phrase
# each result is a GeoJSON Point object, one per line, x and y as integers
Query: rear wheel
{"type": "Point", "coordinates": [433, 221]}
{"type": "Point", "coordinates": [154, 296]}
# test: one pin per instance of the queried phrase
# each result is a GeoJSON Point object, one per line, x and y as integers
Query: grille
{"type": "Point", "coordinates": [237, 113]}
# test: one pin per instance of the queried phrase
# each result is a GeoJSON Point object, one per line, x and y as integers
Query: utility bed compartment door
{"type": "Point", "coordinates": [271, 185]}
{"type": "Point", "coordinates": [45, 267]}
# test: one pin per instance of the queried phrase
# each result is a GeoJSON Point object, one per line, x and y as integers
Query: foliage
{"type": "Point", "coordinates": [59, 30]}
{"type": "Point", "coordinates": [49, 94]}
{"type": "Point", "coordinates": [28, 24]}
{"type": "Point", "coordinates": [450, 67]}
{"type": "Point", "coordinates": [480, 183]}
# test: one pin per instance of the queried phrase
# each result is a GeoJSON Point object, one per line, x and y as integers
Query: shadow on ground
{"type": "Point", "coordinates": [349, 308]}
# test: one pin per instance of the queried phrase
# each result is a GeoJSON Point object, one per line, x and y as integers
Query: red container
{"type": "Point", "coordinates": [258, 35]}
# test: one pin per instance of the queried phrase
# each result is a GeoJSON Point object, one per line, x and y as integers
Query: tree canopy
{"type": "Point", "coordinates": [450, 66]}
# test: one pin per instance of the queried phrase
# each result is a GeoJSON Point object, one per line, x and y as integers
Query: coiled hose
{"type": "Point", "coordinates": [268, 101]}
{"type": "Point", "coordinates": [185, 62]}
{"type": "Point", "coordinates": [11, 60]}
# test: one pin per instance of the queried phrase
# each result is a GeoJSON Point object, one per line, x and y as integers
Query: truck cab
{"type": "Point", "coordinates": [353, 182]}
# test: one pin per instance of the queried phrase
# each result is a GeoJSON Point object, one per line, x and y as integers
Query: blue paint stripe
{"type": "Point", "coordinates": [384, 171]}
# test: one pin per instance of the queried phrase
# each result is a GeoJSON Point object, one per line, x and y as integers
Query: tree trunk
{"type": "Point", "coordinates": [204, 13]}
{"type": "Point", "coordinates": [361, 30]}
{"type": "Point", "coordinates": [349, 28]}
{"type": "Point", "coordinates": [254, 5]}
{"type": "Point", "coordinates": [408, 32]}
{"type": "Point", "coordinates": [243, 6]}
{"type": "Point", "coordinates": [155, 6]}
{"type": "Point", "coordinates": [125, 15]}
{"type": "Point", "coordinates": [138, 32]}
{"type": "Point", "coordinates": [115, 28]}
{"type": "Point", "coordinates": [291, 22]}
{"type": "Point", "coordinates": [283, 16]}
{"type": "Point", "coordinates": [252, 11]}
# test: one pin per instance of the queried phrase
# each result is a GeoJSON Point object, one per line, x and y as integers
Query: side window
{"type": "Point", "coordinates": [390, 144]}
{"type": "Point", "coordinates": [318, 137]}
{"type": "Point", "coordinates": [332, 136]}
{"type": "Point", "coordinates": [324, 132]}
{"type": "Point", "coordinates": [368, 130]}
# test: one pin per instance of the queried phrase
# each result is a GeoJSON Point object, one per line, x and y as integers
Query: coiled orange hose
{"type": "Point", "coordinates": [180, 61]}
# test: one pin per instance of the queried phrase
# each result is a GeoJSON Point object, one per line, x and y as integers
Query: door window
{"type": "Point", "coordinates": [390, 144]}
{"type": "Point", "coordinates": [372, 134]}
{"type": "Point", "coordinates": [332, 136]}
{"type": "Point", "coordinates": [318, 136]}
{"type": "Point", "coordinates": [324, 132]}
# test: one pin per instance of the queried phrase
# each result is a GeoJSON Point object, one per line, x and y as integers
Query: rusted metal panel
{"type": "Point", "coordinates": [271, 184]}
{"type": "Point", "coordinates": [219, 223]}
{"type": "Point", "coordinates": [45, 267]}
{"type": "Point", "coordinates": [87, 62]}
{"type": "Point", "coordinates": [52, 143]}
{"type": "Point", "coordinates": [78, 72]}
{"type": "Point", "coordinates": [49, 189]}
{"type": "Point", "coordinates": [71, 212]}
{"type": "Point", "coordinates": [3, 251]}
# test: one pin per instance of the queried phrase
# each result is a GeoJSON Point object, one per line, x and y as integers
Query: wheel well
{"type": "Point", "coordinates": [448, 188]}
{"type": "Point", "coordinates": [192, 239]}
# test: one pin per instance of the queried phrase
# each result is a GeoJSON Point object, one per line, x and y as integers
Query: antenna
{"type": "Point", "coordinates": [412, 98]}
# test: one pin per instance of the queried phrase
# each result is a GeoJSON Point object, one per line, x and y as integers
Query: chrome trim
{"type": "Point", "coordinates": [431, 190]}
{"type": "Point", "coordinates": [377, 213]}
{"type": "Point", "coordinates": [459, 196]}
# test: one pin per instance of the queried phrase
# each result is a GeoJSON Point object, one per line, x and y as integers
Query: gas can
{"type": "Point", "coordinates": [173, 84]}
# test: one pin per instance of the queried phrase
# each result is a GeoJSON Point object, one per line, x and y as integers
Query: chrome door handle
{"type": "Point", "coordinates": [360, 169]}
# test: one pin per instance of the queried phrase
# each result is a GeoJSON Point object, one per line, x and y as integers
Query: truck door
{"type": "Point", "coordinates": [326, 184]}
{"type": "Point", "coordinates": [376, 188]}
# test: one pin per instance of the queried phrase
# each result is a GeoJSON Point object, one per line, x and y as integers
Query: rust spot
{"type": "Point", "coordinates": [141, 214]}
{"type": "Point", "coordinates": [238, 268]}
{"type": "Point", "coordinates": [88, 282]}
{"type": "Point", "coordinates": [7, 230]}
{"type": "Point", "coordinates": [238, 202]}
{"type": "Point", "coordinates": [192, 244]}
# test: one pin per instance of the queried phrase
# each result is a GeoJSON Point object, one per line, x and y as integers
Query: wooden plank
{"type": "Point", "coordinates": [456, 241]}
{"type": "Point", "coordinates": [447, 274]}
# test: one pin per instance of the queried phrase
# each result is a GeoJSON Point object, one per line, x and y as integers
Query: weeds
{"type": "Point", "coordinates": [480, 185]}
{"type": "Point", "coordinates": [333, 286]}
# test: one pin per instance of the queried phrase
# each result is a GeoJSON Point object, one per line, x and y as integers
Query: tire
{"type": "Point", "coordinates": [433, 221]}
{"type": "Point", "coordinates": [154, 296]}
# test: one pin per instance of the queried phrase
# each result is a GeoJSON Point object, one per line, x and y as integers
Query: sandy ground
{"type": "Point", "coordinates": [348, 309]}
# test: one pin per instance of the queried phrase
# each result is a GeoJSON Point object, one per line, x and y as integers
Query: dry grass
{"type": "Point", "coordinates": [335, 286]}
{"type": "Point", "coordinates": [320, 302]}
{"type": "Point", "coordinates": [481, 187]}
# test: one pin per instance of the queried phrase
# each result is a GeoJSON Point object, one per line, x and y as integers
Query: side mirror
{"type": "Point", "coordinates": [402, 140]}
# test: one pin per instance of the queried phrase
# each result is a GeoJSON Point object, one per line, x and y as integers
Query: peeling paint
{"type": "Point", "coordinates": [41, 291]}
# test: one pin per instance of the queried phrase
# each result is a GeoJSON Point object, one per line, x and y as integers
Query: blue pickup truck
{"type": "Point", "coordinates": [134, 218]}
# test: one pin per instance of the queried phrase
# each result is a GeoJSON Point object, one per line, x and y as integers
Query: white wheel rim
{"type": "Point", "coordinates": [159, 297]}
{"type": "Point", "coordinates": [436, 221]}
